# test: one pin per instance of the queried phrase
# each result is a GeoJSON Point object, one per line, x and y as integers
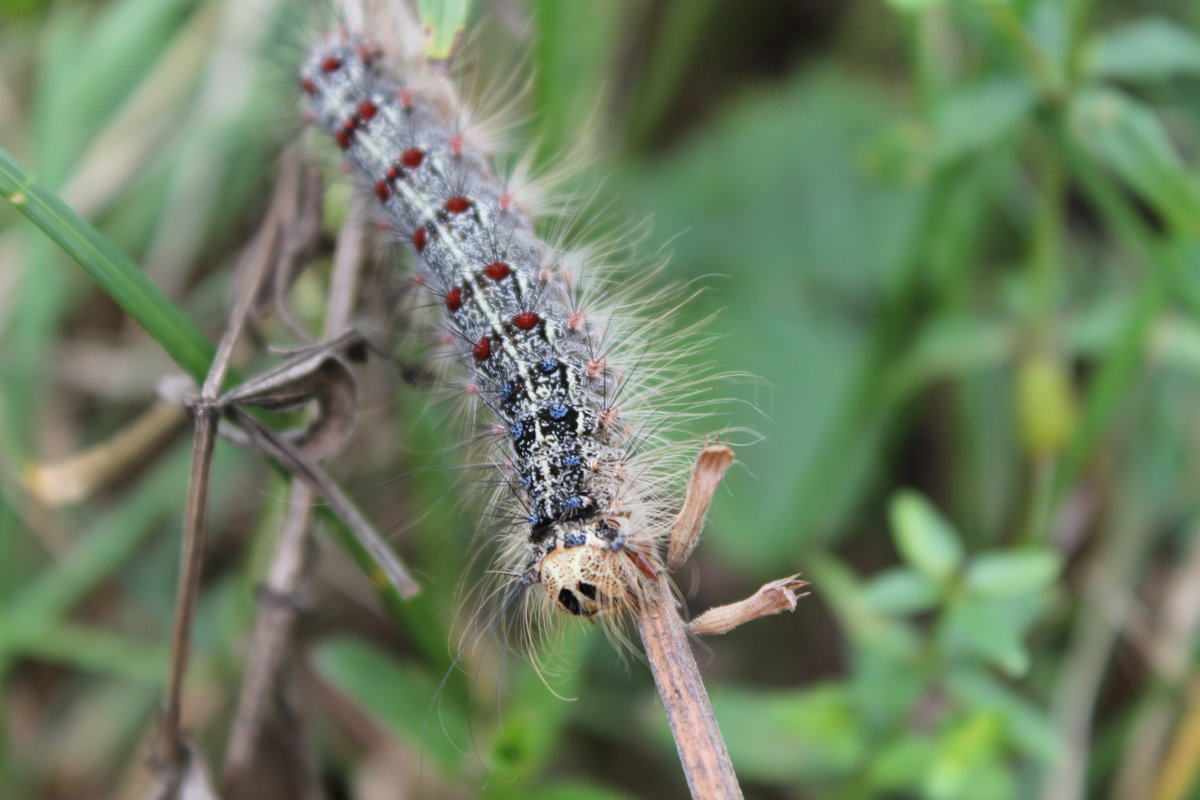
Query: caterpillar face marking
{"type": "Point", "coordinates": [512, 317]}
{"type": "Point", "coordinates": [586, 574]}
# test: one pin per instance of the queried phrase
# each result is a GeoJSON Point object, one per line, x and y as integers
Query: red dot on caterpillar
{"type": "Point", "coordinates": [366, 109]}
{"type": "Point", "coordinates": [596, 366]}
{"type": "Point", "coordinates": [420, 239]}
{"type": "Point", "coordinates": [350, 124]}
{"type": "Point", "coordinates": [454, 299]}
{"type": "Point", "coordinates": [456, 145]}
{"type": "Point", "coordinates": [575, 320]}
{"type": "Point", "coordinates": [367, 53]}
{"type": "Point", "coordinates": [331, 64]}
{"type": "Point", "coordinates": [525, 320]}
{"type": "Point", "coordinates": [482, 349]}
{"type": "Point", "coordinates": [505, 201]}
{"type": "Point", "coordinates": [342, 137]}
{"type": "Point", "coordinates": [392, 173]}
{"type": "Point", "coordinates": [382, 191]}
{"type": "Point", "coordinates": [457, 204]}
{"type": "Point", "coordinates": [308, 86]}
{"type": "Point", "coordinates": [411, 158]}
{"type": "Point", "coordinates": [405, 96]}
{"type": "Point", "coordinates": [497, 270]}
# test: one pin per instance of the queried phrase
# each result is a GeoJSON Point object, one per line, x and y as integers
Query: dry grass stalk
{"type": "Point", "coordinates": [772, 598]}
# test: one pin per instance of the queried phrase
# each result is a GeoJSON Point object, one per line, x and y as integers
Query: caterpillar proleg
{"type": "Point", "coordinates": [540, 359]}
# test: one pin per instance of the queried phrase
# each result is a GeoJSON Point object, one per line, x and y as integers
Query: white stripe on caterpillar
{"type": "Point", "coordinates": [592, 536]}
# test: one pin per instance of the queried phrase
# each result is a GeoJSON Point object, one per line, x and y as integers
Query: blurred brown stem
{"type": "Point", "coordinates": [277, 609]}
{"type": "Point", "coordinates": [170, 752]}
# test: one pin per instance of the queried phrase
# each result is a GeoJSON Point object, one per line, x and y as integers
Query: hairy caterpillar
{"type": "Point", "coordinates": [539, 357]}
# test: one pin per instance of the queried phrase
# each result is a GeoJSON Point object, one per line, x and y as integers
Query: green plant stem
{"type": "Point", "coordinates": [1120, 367]}
{"type": "Point", "coordinates": [1046, 251]}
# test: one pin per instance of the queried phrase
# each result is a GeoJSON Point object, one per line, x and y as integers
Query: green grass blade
{"type": "Point", "coordinates": [119, 277]}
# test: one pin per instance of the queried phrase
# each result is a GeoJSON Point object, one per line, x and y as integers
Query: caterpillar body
{"type": "Point", "coordinates": [592, 532]}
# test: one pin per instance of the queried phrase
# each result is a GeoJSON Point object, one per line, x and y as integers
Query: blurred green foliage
{"type": "Point", "coordinates": [956, 243]}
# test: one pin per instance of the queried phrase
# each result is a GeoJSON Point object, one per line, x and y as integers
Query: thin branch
{"type": "Point", "coordinates": [170, 750]}
{"type": "Point", "coordinates": [205, 409]}
{"type": "Point", "coordinates": [702, 752]}
{"type": "Point", "coordinates": [698, 739]}
{"type": "Point", "coordinates": [772, 598]}
{"type": "Point", "coordinates": [303, 467]}
{"type": "Point", "coordinates": [272, 632]}
{"type": "Point", "coordinates": [277, 607]}
{"type": "Point", "coordinates": [706, 476]}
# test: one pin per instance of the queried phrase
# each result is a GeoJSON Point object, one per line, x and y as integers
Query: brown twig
{"type": "Point", "coordinates": [170, 750]}
{"type": "Point", "coordinates": [706, 476]}
{"type": "Point", "coordinates": [772, 598]}
{"type": "Point", "coordinates": [205, 409]}
{"type": "Point", "coordinates": [701, 748]}
{"type": "Point", "coordinates": [277, 608]}
{"type": "Point", "coordinates": [702, 751]}
{"type": "Point", "coordinates": [277, 612]}
{"type": "Point", "coordinates": [698, 739]}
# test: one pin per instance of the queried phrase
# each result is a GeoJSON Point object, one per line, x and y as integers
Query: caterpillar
{"type": "Point", "coordinates": [540, 359]}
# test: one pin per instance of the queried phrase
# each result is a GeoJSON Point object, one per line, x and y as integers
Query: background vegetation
{"type": "Point", "coordinates": [958, 240]}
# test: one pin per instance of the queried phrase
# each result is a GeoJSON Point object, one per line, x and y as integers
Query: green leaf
{"type": "Point", "coordinates": [979, 117]}
{"type": "Point", "coordinates": [925, 540]}
{"type": "Point", "coordinates": [1013, 572]}
{"type": "Point", "coordinates": [444, 22]}
{"type": "Point", "coordinates": [400, 695]}
{"type": "Point", "coordinates": [790, 735]}
{"type": "Point", "coordinates": [1029, 728]}
{"type": "Point", "coordinates": [1147, 49]}
{"type": "Point", "coordinates": [1130, 139]}
{"type": "Point", "coordinates": [970, 762]}
{"type": "Point", "coordinates": [884, 636]}
{"type": "Point", "coordinates": [902, 764]}
{"type": "Point", "coordinates": [913, 6]}
{"type": "Point", "coordinates": [901, 591]}
{"type": "Point", "coordinates": [992, 630]}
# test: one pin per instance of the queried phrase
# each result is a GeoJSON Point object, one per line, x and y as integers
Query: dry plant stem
{"type": "Point", "coordinates": [76, 478]}
{"type": "Point", "coordinates": [170, 750]}
{"type": "Point", "coordinates": [290, 458]}
{"type": "Point", "coordinates": [195, 530]}
{"type": "Point", "coordinates": [272, 631]}
{"type": "Point", "coordinates": [707, 473]}
{"type": "Point", "coordinates": [277, 610]}
{"type": "Point", "coordinates": [1177, 776]}
{"type": "Point", "coordinates": [347, 262]}
{"type": "Point", "coordinates": [773, 598]}
{"type": "Point", "coordinates": [698, 739]}
{"type": "Point", "coordinates": [1173, 640]}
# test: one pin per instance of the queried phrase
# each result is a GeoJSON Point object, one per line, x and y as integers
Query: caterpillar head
{"type": "Point", "coordinates": [588, 577]}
